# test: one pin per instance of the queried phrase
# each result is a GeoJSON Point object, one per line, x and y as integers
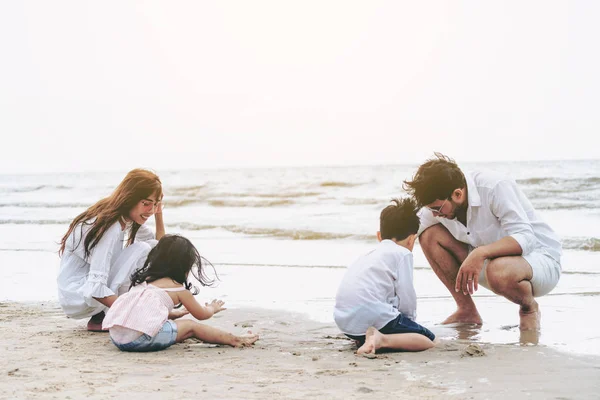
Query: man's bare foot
{"type": "Point", "coordinates": [372, 342]}
{"type": "Point", "coordinates": [530, 318]}
{"type": "Point", "coordinates": [528, 338]}
{"type": "Point", "coordinates": [244, 340]}
{"type": "Point", "coordinates": [95, 323]}
{"type": "Point", "coordinates": [464, 317]}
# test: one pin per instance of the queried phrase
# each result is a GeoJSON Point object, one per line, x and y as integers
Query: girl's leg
{"type": "Point", "coordinates": [187, 328]}
{"type": "Point", "coordinates": [376, 340]}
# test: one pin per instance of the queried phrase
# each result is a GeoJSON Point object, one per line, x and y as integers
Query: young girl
{"type": "Point", "coordinates": [95, 265]}
{"type": "Point", "coordinates": [142, 319]}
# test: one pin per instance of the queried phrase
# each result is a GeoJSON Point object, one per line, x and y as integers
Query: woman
{"type": "Point", "coordinates": [105, 244]}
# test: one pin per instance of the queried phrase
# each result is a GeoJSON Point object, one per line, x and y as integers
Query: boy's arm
{"type": "Point", "coordinates": [405, 289]}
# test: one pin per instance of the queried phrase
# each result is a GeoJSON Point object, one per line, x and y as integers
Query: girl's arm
{"type": "Point", "coordinates": [196, 309]}
{"type": "Point", "coordinates": [178, 313]}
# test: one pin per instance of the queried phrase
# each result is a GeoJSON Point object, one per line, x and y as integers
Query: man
{"type": "Point", "coordinates": [480, 228]}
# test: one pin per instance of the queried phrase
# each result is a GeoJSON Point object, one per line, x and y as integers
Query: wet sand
{"type": "Point", "coordinates": [46, 356]}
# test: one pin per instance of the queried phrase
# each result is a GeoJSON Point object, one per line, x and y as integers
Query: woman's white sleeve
{"type": "Point", "coordinates": [145, 234]}
{"type": "Point", "coordinates": [100, 262]}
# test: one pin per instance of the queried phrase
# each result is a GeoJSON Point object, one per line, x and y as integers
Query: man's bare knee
{"type": "Point", "coordinates": [500, 274]}
{"type": "Point", "coordinates": [433, 235]}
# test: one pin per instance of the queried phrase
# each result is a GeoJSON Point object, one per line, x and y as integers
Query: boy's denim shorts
{"type": "Point", "coordinates": [163, 339]}
{"type": "Point", "coordinates": [400, 324]}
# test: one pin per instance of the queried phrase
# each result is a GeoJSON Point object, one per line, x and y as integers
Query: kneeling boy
{"type": "Point", "coordinates": [376, 303]}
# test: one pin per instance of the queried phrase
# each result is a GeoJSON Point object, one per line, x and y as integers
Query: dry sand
{"type": "Point", "coordinates": [44, 355]}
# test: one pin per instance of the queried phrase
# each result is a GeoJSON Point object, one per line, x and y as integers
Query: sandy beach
{"type": "Point", "coordinates": [47, 356]}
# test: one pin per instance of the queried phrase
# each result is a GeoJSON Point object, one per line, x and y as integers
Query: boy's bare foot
{"type": "Point", "coordinates": [372, 342]}
{"type": "Point", "coordinates": [95, 323]}
{"type": "Point", "coordinates": [464, 317]}
{"type": "Point", "coordinates": [244, 340]}
{"type": "Point", "coordinates": [530, 318]}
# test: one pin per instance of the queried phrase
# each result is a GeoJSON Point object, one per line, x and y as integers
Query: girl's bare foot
{"type": "Point", "coordinates": [244, 340]}
{"type": "Point", "coordinates": [372, 342]}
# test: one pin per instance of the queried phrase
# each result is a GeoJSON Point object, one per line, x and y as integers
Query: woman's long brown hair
{"type": "Point", "coordinates": [137, 185]}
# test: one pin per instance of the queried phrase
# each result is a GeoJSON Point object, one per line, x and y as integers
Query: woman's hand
{"type": "Point", "coordinates": [216, 305]}
{"type": "Point", "coordinates": [158, 207]}
{"type": "Point", "coordinates": [158, 218]}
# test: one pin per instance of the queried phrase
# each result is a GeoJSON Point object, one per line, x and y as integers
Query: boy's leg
{"type": "Point", "coordinates": [376, 340]}
{"type": "Point", "coordinates": [187, 328]}
{"type": "Point", "coordinates": [445, 255]}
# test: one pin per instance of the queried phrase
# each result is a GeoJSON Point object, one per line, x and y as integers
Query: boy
{"type": "Point", "coordinates": [376, 302]}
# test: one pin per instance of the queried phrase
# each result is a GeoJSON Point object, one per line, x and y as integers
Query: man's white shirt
{"type": "Point", "coordinates": [498, 208]}
{"type": "Point", "coordinates": [375, 289]}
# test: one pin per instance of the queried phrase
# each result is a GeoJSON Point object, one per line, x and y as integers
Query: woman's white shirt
{"type": "Point", "coordinates": [103, 272]}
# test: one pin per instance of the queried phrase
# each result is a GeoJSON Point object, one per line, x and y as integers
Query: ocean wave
{"type": "Point", "coordinates": [293, 234]}
{"type": "Point", "coordinates": [567, 206]}
{"type": "Point", "coordinates": [235, 264]}
{"type": "Point", "coordinates": [35, 188]}
{"type": "Point", "coordinates": [35, 222]}
{"type": "Point", "coordinates": [338, 184]}
{"type": "Point", "coordinates": [45, 205]}
{"type": "Point", "coordinates": [359, 202]}
{"type": "Point", "coordinates": [561, 184]}
{"type": "Point", "coordinates": [240, 203]}
{"type": "Point", "coordinates": [581, 243]}
{"type": "Point", "coordinates": [186, 190]}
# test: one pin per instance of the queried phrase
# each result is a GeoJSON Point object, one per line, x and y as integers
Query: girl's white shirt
{"type": "Point", "coordinates": [104, 272]}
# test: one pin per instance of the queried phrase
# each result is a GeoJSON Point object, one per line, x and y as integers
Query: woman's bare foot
{"type": "Point", "coordinates": [244, 340]}
{"type": "Point", "coordinates": [372, 342]}
{"type": "Point", "coordinates": [95, 323]}
{"type": "Point", "coordinates": [464, 317]}
{"type": "Point", "coordinates": [530, 318]}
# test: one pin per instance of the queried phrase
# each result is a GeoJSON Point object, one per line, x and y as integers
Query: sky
{"type": "Point", "coordinates": [113, 85]}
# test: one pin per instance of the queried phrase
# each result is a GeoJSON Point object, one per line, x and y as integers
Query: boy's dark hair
{"type": "Point", "coordinates": [174, 257]}
{"type": "Point", "coordinates": [435, 179]}
{"type": "Point", "coordinates": [399, 220]}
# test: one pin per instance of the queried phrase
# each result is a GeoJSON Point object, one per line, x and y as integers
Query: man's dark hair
{"type": "Point", "coordinates": [435, 179]}
{"type": "Point", "coordinates": [399, 220]}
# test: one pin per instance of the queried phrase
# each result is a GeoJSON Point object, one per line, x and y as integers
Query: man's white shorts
{"type": "Point", "coordinates": [546, 272]}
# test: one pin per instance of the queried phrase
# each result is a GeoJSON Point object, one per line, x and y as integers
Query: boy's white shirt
{"type": "Point", "coordinates": [376, 288]}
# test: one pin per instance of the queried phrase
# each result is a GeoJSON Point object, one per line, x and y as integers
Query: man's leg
{"type": "Point", "coordinates": [510, 277]}
{"type": "Point", "coordinates": [445, 255]}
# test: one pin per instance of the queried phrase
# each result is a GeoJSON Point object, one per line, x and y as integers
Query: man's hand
{"type": "Point", "coordinates": [467, 279]}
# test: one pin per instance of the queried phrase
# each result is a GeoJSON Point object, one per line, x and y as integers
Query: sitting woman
{"type": "Point", "coordinates": [105, 244]}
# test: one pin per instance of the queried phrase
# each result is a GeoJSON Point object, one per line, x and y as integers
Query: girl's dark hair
{"type": "Point", "coordinates": [137, 185]}
{"type": "Point", "coordinates": [399, 220]}
{"type": "Point", "coordinates": [174, 257]}
{"type": "Point", "coordinates": [436, 179]}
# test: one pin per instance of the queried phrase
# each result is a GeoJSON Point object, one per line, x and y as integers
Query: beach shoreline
{"type": "Point", "coordinates": [47, 355]}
